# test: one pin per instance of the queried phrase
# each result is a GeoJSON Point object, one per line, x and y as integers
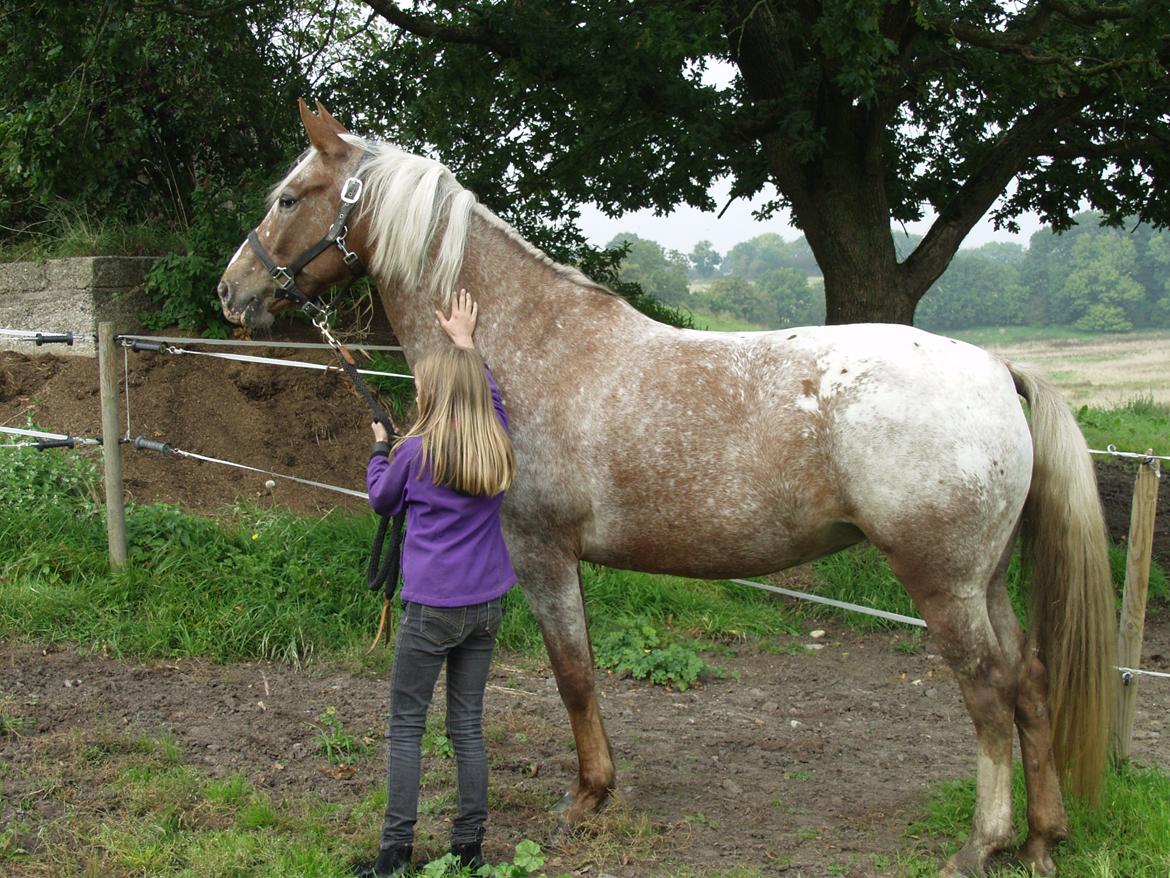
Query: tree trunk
{"type": "Point", "coordinates": [853, 296]}
{"type": "Point", "coordinates": [846, 221]}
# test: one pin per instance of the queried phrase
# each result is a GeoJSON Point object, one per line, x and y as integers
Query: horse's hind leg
{"type": "Point", "coordinates": [1047, 823]}
{"type": "Point", "coordinates": [551, 582]}
{"type": "Point", "coordinates": [959, 624]}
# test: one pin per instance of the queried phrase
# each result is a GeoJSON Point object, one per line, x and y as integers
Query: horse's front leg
{"type": "Point", "coordinates": [550, 578]}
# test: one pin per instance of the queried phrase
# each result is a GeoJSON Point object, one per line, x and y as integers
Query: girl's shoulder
{"type": "Point", "coordinates": [411, 447]}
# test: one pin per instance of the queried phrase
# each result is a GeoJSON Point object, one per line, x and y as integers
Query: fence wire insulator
{"type": "Point", "coordinates": [141, 443]}
{"type": "Point", "coordinates": [43, 338]}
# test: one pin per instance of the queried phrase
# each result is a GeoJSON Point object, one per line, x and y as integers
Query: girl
{"type": "Point", "coordinates": [450, 471]}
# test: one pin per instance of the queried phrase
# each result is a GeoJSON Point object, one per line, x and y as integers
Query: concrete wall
{"type": "Point", "coordinates": [63, 295]}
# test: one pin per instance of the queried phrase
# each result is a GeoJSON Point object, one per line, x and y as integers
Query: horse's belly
{"type": "Point", "coordinates": [717, 546]}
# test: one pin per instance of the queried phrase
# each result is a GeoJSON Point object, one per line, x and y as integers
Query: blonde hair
{"type": "Point", "coordinates": [462, 437]}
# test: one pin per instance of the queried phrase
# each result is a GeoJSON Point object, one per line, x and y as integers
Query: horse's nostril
{"type": "Point", "coordinates": [224, 291]}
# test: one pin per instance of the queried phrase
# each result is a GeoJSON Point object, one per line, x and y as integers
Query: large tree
{"type": "Point", "coordinates": [861, 113]}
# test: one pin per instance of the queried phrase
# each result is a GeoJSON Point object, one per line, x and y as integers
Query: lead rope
{"type": "Point", "coordinates": [384, 570]}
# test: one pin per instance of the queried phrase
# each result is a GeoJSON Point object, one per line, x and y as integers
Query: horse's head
{"type": "Point", "coordinates": [308, 240]}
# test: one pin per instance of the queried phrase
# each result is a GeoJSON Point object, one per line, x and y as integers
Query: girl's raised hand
{"type": "Point", "coordinates": [460, 326]}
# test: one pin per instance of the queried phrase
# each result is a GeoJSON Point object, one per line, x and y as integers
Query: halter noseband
{"type": "Point", "coordinates": [286, 276]}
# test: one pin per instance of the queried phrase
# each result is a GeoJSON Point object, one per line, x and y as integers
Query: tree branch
{"type": "Point", "coordinates": [983, 185]}
{"type": "Point", "coordinates": [421, 26]}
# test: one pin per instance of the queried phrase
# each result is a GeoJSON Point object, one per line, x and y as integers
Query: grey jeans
{"type": "Point", "coordinates": [463, 637]}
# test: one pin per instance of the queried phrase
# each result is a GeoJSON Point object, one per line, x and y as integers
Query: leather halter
{"type": "Point", "coordinates": [286, 276]}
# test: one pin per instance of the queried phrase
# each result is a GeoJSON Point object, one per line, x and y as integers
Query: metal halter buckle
{"type": "Point", "coordinates": [351, 190]}
{"type": "Point", "coordinates": [283, 279]}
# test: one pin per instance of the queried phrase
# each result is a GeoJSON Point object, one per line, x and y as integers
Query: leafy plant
{"type": "Point", "coordinates": [636, 649]}
{"type": "Point", "coordinates": [338, 745]}
{"type": "Point", "coordinates": [182, 284]}
{"type": "Point", "coordinates": [435, 742]}
{"type": "Point", "coordinates": [30, 479]}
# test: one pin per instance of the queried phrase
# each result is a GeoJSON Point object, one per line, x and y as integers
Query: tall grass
{"type": "Point", "coordinates": [68, 231]}
{"type": "Point", "coordinates": [1136, 425]}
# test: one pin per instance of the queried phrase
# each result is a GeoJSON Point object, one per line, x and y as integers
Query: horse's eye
{"type": "Point", "coordinates": [287, 201]}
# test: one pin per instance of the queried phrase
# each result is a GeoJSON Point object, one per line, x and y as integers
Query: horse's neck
{"type": "Point", "coordinates": [525, 302]}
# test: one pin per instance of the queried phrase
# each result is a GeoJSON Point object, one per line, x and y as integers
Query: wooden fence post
{"type": "Point", "coordinates": [1133, 602]}
{"type": "Point", "coordinates": [111, 445]}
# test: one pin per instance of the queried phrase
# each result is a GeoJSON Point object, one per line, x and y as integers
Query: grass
{"type": "Point", "coordinates": [722, 323]}
{"type": "Point", "coordinates": [1126, 836]}
{"type": "Point", "coordinates": [125, 805]}
{"type": "Point", "coordinates": [260, 582]}
{"type": "Point", "coordinates": [989, 336]}
{"type": "Point", "coordinates": [1137, 425]}
{"type": "Point", "coordinates": [68, 232]}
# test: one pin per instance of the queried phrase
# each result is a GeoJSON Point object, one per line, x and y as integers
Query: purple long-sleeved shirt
{"type": "Point", "coordinates": [454, 554]}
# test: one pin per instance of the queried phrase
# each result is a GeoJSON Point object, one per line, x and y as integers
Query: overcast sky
{"type": "Point", "coordinates": [686, 226]}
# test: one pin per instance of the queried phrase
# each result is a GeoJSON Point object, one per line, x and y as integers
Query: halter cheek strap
{"type": "Point", "coordinates": [286, 276]}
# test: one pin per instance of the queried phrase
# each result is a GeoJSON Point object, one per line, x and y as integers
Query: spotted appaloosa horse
{"type": "Point", "coordinates": [715, 455]}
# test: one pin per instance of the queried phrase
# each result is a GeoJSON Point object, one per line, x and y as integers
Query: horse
{"type": "Point", "coordinates": [719, 455]}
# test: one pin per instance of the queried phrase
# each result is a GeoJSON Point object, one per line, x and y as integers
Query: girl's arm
{"type": "Point", "coordinates": [386, 479]}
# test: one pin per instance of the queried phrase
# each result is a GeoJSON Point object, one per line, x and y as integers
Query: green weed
{"type": "Point", "coordinates": [338, 746]}
{"type": "Point", "coordinates": [435, 741]}
{"type": "Point", "coordinates": [636, 649]}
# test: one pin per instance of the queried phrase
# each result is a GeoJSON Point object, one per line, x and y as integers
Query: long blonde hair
{"type": "Point", "coordinates": [462, 438]}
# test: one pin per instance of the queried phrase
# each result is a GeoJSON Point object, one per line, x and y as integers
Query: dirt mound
{"type": "Point", "coordinates": [299, 422]}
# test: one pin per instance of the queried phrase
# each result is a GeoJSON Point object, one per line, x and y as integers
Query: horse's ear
{"type": "Point", "coordinates": [328, 117]}
{"type": "Point", "coordinates": [321, 133]}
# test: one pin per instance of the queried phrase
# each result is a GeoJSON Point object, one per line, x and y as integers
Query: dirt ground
{"type": "Point", "coordinates": [808, 759]}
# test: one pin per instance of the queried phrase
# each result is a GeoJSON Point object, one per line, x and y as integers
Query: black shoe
{"type": "Point", "coordinates": [468, 854]}
{"type": "Point", "coordinates": [391, 863]}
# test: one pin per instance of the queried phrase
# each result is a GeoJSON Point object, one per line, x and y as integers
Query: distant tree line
{"type": "Point", "coordinates": [1092, 277]}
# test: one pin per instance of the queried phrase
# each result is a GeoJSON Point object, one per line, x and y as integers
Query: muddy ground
{"type": "Point", "coordinates": [809, 758]}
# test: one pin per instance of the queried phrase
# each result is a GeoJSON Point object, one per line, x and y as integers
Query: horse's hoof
{"type": "Point", "coordinates": [1035, 855]}
{"type": "Point", "coordinates": [964, 864]}
{"type": "Point", "coordinates": [564, 804]}
{"type": "Point", "coordinates": [575, 807]}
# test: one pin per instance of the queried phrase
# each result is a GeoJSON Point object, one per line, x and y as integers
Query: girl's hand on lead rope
{"type": "Point", "coordinates": [380, 433]}
{"type": "Point", "coordinates": [460, 326]}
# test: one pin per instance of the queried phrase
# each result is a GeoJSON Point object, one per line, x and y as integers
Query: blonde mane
{"type": "Point", "coordinates": [410, 200]}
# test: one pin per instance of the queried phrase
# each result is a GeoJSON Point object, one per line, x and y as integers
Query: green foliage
{"type": "Point", "coordinates": [122, 109]}
{"type": "Point", "coordinates": [769, 252]}
{"type": "Point", "coordinates": [435, 741]}
{"type": "Point", "coordinates": [338, 746]}
{"type": "Point", "coordinates": [977, 289]}
{"type": "Point", "coordinates": [183, 284]}
{"type": "Point", "coordinates": [604, 266]}
{"type": "Point", "coordinates": [636, 649]}
{"type": "Point", "coordinates": [31, 479]}
{"type": "Point", "coordinates": [704, 260]}
{"type": "Point", "coordinates": [659, 273]}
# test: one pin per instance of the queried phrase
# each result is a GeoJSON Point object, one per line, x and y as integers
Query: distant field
{"type": "Point", "coordinates": [1098, 370]}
